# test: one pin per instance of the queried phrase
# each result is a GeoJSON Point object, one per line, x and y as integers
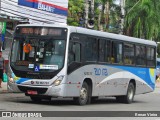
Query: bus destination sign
{"type": "Point", "coordinates": [39, 31]}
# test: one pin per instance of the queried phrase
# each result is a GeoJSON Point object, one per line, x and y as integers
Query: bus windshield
{"type": "Point", "coordinates": [38, 53]}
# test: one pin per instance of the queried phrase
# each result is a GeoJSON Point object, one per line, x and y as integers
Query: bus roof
{"type": "Point", "coordinates": [115, 36]}
{"type": "Point", "coordinates": [98, 33]}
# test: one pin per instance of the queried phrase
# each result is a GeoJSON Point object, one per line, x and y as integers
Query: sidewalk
{"type": "Point", "coordinates": [158, 85]}
{"type": "Point", "coordinates": [4, 87]}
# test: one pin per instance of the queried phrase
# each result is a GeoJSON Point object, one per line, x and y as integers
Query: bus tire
{"type": "Point", "coordinates": [84, 97]}
{"type": "Point", "coordinates": [36, 99]}
{"type": "Point", "coordinates": [130, 93]}
{"type": "Point", "coordinates": [128, 98]}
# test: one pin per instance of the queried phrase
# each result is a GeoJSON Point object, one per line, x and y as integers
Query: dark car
{"type": "Point", "coordinates": [158, 68]}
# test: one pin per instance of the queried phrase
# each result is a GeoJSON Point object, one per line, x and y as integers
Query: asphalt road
{"type": "Point", "coordinates": [145, 102]}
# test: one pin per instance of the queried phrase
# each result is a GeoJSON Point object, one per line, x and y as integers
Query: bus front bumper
{"type": "Point", "coordinates": [63, 90]}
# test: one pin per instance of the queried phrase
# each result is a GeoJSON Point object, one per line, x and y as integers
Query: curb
{"type": "Point", "coordinates": [158, 84]}
{"type": "Point", "coordinates": [4, 88]}
{"type": "Point", "coordinates": [4, 91]}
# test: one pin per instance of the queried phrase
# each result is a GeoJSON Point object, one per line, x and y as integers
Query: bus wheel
{"type": "Point", "coordinates": [36, 99]}
{"type": "Point", "coordinates": [84, 95]}
{"type": "Point", "coordinates": [130, 93]}
{"type": "Point", "coordinates": [128, 98]}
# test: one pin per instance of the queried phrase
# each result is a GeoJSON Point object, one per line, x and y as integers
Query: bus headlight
{"type": "Point", "coordinates": [11, 80]}
{"type": "Point", "coordinates": [58, 81]}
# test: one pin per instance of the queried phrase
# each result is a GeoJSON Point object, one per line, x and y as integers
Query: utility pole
{"type": "Point", "coordinates": [122, 4]}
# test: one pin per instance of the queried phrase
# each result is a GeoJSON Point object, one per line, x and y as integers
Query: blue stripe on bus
{"type": "Point", "coordinates": [21, 80]}
{"type": "Point", "coordinates": [143, 73]}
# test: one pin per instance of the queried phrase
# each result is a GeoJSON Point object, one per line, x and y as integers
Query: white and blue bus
{"type": "Point", "coordinates": [63, 61]}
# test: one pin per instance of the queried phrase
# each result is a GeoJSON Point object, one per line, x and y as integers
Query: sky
{"type": "Point", "coordinates": [117, 2]}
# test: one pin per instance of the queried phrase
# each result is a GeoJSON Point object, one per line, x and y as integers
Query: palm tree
{"type": "Point", "coordinates": [103, 17]}
{"type": "Point", "coordinates": [104, 14]}
{"type": "Point", "coordinates": [122, 14]}
{"type": "Point", "coordinates": [142, 18]}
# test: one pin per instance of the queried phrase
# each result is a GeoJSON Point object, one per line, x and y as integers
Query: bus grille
{"type": "Point", "coordinates": [39, 90]}
{"type": "Point", "coordinates": [39, 76]}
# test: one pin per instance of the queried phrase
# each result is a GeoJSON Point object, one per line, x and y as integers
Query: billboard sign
{"type": "Point", "coordinates": [37, 11]}
{"type": "Point", "coordinates": [44, 6]}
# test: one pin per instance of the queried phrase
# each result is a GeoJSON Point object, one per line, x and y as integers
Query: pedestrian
{"type": "Point", "coordinates": [1, 68]}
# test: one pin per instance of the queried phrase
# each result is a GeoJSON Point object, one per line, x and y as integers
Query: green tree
{"type": "Point", "coordinates": [103, 18]}
{"type": "Point", "coordinates": [103, 14]}
{"type": "Point", "coordinates": [114, 18]}
{"type": "Point", "coordinates": [142, 18]}
{"type": "Point", "coordinates": [75, 12]}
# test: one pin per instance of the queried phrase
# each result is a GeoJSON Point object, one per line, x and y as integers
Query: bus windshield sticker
{"type": "Point", "coordinates": [38, 53]}
{"type": "Point", "coordinates": [53, 67]}
{"type": "Point", "coordinates": [22, 63]}
{"type": "Point", "coordinates": [31, 66]}
{"type": "Point", "coordinates": [36, 69]}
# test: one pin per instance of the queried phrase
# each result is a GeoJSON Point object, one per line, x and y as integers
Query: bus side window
{"type": "Point", "coordinates": [104, 51]}
{"type": "Point", "coordinates": [129, 54]}
{"type": "Point", "coordinates": [70, 53]}
{"type": "Point", "coordinates": [101, 50]}
{"type": "Point", "coordinates": [74, 52]}
{"type": "Point", "coordinates": [108, 51]}
{"type": "Point", "coordinates": [151, 57]}
{"type": "Point", "coordinates": [140, 55]}
{"type": "Point", "coordinates": [116, 53]}
{"type": "Point", "coordinates": [91, 48]}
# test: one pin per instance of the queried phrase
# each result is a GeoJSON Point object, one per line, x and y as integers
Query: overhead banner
{"type": "Point", "coordinates": [44, 5]}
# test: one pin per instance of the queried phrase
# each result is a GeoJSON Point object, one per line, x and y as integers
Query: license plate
{"type": "Point", "coordinates": [31, 92]}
